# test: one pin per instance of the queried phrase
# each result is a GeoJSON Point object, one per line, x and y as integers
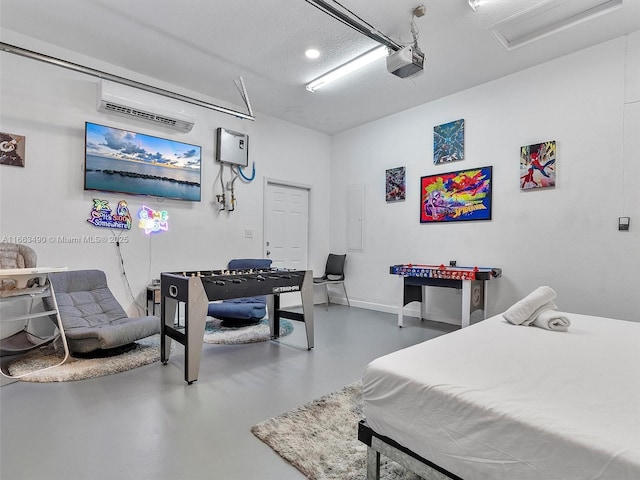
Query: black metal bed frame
{"type": "Point", "coordinates": [380, 445]}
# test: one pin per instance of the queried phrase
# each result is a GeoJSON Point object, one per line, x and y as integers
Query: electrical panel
{"type": "Point", "coordinates": [232, 147]}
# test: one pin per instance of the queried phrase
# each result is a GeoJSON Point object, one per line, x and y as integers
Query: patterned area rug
{"type": "Point", "coordinates": [321, 439]}
{"type": "Point", "coordinates": [216, 333]}
{"type": "Point", "coordinates": [147, 351]}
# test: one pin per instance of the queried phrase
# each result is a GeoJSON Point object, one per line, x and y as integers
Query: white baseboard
{"type": "Point", "coordinates": [409, 311]}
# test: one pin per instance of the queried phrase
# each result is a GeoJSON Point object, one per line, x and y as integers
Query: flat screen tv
{"type": "Point", "coordinates": [121, 161]}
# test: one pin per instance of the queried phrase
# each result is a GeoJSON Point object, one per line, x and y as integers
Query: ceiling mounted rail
{"type": "Point", "coordinates": [124, 81]}
{"type": "Point", "coordinates": [355, 22]}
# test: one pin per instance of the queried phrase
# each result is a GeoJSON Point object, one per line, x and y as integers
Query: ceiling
{"type": "Point", "coordinates": [203, 45]}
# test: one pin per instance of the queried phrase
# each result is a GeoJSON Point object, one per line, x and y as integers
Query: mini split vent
{"type": "Point", "coordinates": [148, 116]}
{"type": "Point", "coordinates": [129, 102]}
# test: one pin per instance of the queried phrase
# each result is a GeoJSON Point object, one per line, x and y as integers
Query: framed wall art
{"type": "Point", "coordinates": [538, 165]}
{"type": "Point", "coordinates": [456, 196]}
{"type": "Point", "coordinates": [395, 184]}
{"type": "Point", "coordinates": [448, 142]}
{"type": "Point", "coordinates": [12, 149]}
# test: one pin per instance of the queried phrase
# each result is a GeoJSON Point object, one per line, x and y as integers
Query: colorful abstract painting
{"type": "Point", "coordinates": [448, 142]}
{"type": "Point", "coordinates": [538, 165]}
{"type": "Point", "coordinates": [456, 196]}
{"type": "Point", "coordinates": [396, 182]}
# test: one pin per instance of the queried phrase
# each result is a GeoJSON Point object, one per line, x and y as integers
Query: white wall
{"type": "Point", "coordinates": [49, 106]}
{"type": "Point", "coordinates": [565, 237]}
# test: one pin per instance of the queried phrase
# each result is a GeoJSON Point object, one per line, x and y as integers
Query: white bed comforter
{"type": "Point", "coordinates": [498, 401]}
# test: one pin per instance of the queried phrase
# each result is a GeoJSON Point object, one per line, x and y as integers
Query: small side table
{"type": "Point", "coordinates": [153, 299]}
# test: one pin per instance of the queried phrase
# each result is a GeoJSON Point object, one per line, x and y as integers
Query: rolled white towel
{"type": "Point", "coordinates": [541, 308]}
{"type": "Point", "coordinates": [552, 320]}
{"type": "Point", "coordinates": [522, 312]}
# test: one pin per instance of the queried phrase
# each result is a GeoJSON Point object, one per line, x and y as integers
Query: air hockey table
{"type": "Point", "coordinates": [471, 280]}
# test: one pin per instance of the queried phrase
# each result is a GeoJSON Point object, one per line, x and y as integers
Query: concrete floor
{"type": "Point", "coordinates": [147, 423]}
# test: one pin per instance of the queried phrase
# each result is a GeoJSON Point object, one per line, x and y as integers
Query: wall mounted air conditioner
{"type": "Point", "coordinates": [134, 103]}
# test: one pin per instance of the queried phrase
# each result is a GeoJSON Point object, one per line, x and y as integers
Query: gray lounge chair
{"type": "Point", "coordinates": [93, 319]}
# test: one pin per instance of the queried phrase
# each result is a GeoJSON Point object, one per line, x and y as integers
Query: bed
{"type": "Point", "coordinates": [499, 401]}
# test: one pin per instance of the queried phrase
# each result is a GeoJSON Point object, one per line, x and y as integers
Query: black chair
{"type": "Point", "coordinates": [333, 275]}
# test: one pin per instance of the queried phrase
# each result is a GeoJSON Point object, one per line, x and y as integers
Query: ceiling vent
{"type": "Point", "coordinates": [547, 18]}
{"type": "Point", "coordinates": [133, 103]}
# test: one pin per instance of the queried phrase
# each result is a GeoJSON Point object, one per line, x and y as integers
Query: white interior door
{"type": "Point", "coordinates": [286, 225]}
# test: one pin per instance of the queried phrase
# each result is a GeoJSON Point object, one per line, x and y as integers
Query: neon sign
{"type": "Point", "coordinates": [103, 216]}
{"type": "Point", "coordinates": [152, 221]}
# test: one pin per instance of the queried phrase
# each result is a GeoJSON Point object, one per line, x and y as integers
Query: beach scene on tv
{"type": "Point", "coordinates": [121, 161]}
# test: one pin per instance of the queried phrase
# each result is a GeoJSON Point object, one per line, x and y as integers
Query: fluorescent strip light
{"type": "Point", "coordinates": [349, 67]}
{"type": "Point", "coordinates": [548, 18]}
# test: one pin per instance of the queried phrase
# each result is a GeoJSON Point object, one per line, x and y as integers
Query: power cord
{"type": "Point", "coordinates": [141, 308]}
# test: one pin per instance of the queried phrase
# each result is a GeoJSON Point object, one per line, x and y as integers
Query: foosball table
{"type": "Point", "coordinates": [471, 280]}
{"type": "Point", "coordinates": [195, 289]}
